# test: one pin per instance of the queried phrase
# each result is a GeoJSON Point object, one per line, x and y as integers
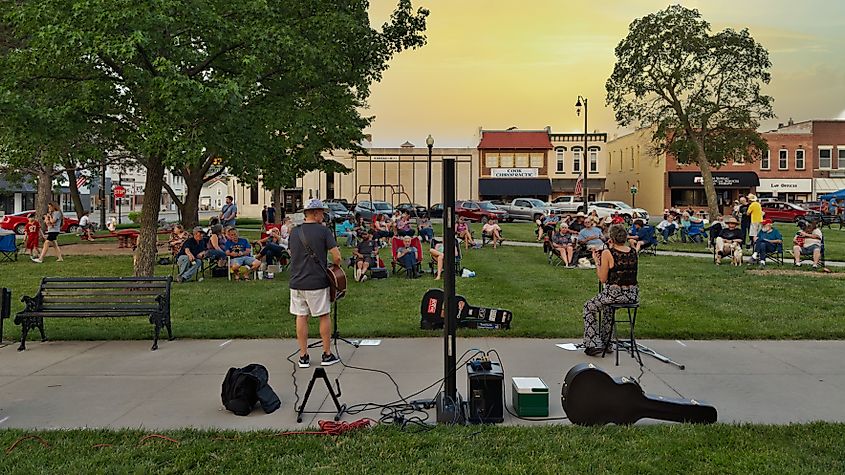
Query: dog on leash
{"type": "Point", "coordinates": [736, 254]}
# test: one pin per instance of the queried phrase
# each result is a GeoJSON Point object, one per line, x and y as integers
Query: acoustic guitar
{"type": "Point", "coordinates": [592, 397]}
{"type": "Point", "coordinates": [337, 282]}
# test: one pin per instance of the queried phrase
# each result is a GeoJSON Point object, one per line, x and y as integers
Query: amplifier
{"type": "Point", "coordinates": [485, 392]}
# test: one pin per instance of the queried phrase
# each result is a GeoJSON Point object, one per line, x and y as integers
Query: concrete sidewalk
{"type": "Point", "coordinates": [122, 384]}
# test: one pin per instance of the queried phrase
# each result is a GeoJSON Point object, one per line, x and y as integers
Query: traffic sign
{"type": "Point", "coordinates": [633, 190]}
{"type": "Point", "coordinates": [119, 191]}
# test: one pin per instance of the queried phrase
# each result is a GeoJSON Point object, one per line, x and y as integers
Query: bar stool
{"type": "Point", "coordinates": [630, 317]}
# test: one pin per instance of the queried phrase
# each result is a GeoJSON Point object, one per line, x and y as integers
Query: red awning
{"type": "Point", "coordinates": [515, 139]}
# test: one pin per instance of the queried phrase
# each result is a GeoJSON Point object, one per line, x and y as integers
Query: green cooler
{"type": "Point", "coordinates": [530, 397]}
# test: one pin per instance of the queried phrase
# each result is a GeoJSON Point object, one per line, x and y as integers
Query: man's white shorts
{"type": "Point", "coordinates": [310, 302]}
{"type": "Point", "coordinates": [754, 229]}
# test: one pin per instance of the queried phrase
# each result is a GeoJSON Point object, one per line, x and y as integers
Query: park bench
{"type": "Point", "coordinates": [96, 297]}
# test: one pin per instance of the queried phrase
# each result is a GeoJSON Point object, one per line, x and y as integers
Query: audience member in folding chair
{"type": "Point", "coordinates": [192, 251]}
{"type": "Point", "coordinates": [562, 249]}
{"type": "Point", "coordinates": [239, 253]}
{"type": "Point", "coordinates": [769, 245]}
{"type": "Point", "coordinates": [436, 262]}
{"type": "Point", "coordinates": [808, 244]}
{"type": "Point", "coordinates": [407, 255]}
{"type": "Point", "coordinates": [491, 232]}
{"type": "Point", "coordinates": [365, 255]}
{"type": "Point", "coordinates": [270, 249]}
{"type": "Point", "coordinates": [642, 238]}
{"type": "Point", "coordinates": [667, 227]}
{"type": "Point", "coordinates": [695, 232]}
{"type": "Point", "coordinates": [729, 242]}
{"type": "Point", "coordinates": [713, 231]}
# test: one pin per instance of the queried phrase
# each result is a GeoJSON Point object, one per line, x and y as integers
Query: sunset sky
{"type": "Point", "coordinates": [502, 63]}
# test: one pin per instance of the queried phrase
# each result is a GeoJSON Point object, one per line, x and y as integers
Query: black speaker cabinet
{"type": "Point", "coordinates": [485, 394]}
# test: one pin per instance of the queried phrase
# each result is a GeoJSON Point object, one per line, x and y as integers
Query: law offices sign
{"type": "Point", "coordinates": [785, 185]}
{"type": "Point", "coordinates": [514, 172]}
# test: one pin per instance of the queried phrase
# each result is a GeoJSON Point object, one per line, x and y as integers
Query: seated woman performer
{"type": "Point", "coordinates": [616, 267]}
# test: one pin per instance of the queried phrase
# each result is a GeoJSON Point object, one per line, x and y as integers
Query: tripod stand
{"type": "Point", "coordinates": [335, 333]}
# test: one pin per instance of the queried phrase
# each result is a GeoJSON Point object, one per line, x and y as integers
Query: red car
{"type": "Point", "coordinates": [16, 222]}
{"type": "Point", "coordinates": [784, 212]}
{"type": "Point", "coordinates": [480, 211]}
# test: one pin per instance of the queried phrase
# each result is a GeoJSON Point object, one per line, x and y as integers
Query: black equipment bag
{"type": "Point", "coordinates": [219, 271]}
{"type": "Point", "coordinates": [244, 387]}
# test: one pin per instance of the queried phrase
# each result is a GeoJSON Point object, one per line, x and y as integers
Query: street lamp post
{"type": "Point", "coordinates": [430, 142]}
{"type": "Point", "coordinates": [584, 154]}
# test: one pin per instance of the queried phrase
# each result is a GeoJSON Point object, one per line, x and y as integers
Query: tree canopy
{"type": "Point", "coordinates": [249, 81]}
{"type": "Point", "coordinates": [699, 92]}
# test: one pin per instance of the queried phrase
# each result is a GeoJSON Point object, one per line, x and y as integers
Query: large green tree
{"type": "Point", "coordinates": [192, 78]}
{"type": "Point", "coordinates": [699, 92]}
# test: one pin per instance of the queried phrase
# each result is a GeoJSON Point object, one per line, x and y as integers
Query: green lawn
{"type": "Point", "coordinates": [657, 449]}
{"type": "Point", "coordinates": [681, 298]}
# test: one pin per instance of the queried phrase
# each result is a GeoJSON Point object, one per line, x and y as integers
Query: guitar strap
{"type": "Point", "coordinates": [308, 249]}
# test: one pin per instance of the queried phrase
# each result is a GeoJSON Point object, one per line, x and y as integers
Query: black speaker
{"type": "Point", "coordinates": [485, 393]}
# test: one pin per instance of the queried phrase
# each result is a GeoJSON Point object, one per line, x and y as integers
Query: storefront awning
{"type": "Point", "coordinates": [514, 187]}
{"type": "Point", "coordinates": [829, 185]}
{"type": "Point", "coordinates": [721, 180]}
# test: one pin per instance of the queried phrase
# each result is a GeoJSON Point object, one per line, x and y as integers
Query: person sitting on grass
{"type": "Point", "coordinates": [191, 254]}
{"type": "Point", "coordinates": [240, 252]}
{"type": "Point", "coordinates": [667, 227]}
{"type": "Point", "coordinates": [492, 231]}
{"type": "Point", "coordinates": [728, 239]}
{"type": "Point", "coordinates": [768, 240]}
{"type": "Point", "coordinates": [403, 225]}
{"type": "Point", "coordinates": [641, 236]}
{"type": "Point", "coordinates": [347, 229]}
{"type": "Point", "coordinates": [616, 268]}
{"type": "Point", "coordinates": [808, 242]}
{"type": "Point", "coordinates": [272, 250]}
{"type": "Point", "coordinates": [561, 242]}
{"type": "Point", "coordinates": [366, 255]}
{"type": "Point", "coordinates": [424, 229]}
{"type": "Point", "coordinates": [407, 257]}
{"type": "Point", "coordinates": [463, 231]}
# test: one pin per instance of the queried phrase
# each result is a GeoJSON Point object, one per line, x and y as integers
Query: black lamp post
{"type": "Point", "coordinates": [584, 155]}
{"type": "Point", "coordinates": [430, 143]}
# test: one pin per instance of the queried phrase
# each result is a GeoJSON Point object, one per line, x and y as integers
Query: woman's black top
{"type": "Point", "coordinates": [624, 271]}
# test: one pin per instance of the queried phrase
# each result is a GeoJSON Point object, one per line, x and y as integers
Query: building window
{"type": "Point", "coordinates": [799, 159]}
{"type": "Point", "coordinates": [766, 161]}
{"type": "Point", "coordinates": [491, 160]}
{"type": "Point", "coordinates": [506, 160]}
{"type": "Point", "coordinates": [594, 161]}
{"type": "Point", "coordinates": [559, 157]}
{"type": "Point", "coordinates": [841, 153]}
{"type": "Point", "coordinates": [632, 158]}
{"type": "Point", "coordinates": [576, 160]}
{"type": "Point", "coordinates": [522, 160]}
{"type": "Point", "coordinates": [825, 158]}
{"type": "Point", "coordinates": [537, 160]}
{"type": "Point", "coordinates": [253, 195]}
{"type": "Point", "coordinates": [783, 159]}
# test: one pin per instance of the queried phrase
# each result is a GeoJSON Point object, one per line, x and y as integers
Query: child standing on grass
{"type": "Point", "coordinates": [33, 234]}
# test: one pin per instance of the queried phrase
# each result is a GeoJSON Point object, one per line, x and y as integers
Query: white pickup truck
{"type": "Point", "coordinates": [569, 204]}
{"type": "Point", "coordinates": [528, 209]}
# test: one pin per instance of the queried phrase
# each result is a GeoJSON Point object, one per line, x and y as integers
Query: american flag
{"type": "Point", "coordinates": [579, 186]}
{"type": "Point", "coordinates": [80, 179]}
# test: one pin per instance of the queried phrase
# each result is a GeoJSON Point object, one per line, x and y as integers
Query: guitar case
{"type": "Point", "coordinates": [431, 313]}
{"type": "Point", "coordinates": [590, 397]}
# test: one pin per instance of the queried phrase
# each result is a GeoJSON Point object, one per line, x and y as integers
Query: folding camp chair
{"type": "Point", "coordinates": [397, 243]}
{"type": "Point", "coordinates": [432, 263]}
{"type": "Point", "coordinates": [777, 254]}
{"type": "Point", "coordinates": [695, 233]}
{"type": "Point", "coordinates": [8, 247]}
{"type": "Point", "coordinates": [652, 247]}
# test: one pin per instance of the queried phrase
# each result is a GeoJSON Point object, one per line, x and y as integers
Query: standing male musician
{"type": "Point", "coordinates": [309, 285]}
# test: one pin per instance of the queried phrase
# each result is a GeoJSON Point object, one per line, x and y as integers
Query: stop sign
{"type": "Point", "coordinates": [119, 191]}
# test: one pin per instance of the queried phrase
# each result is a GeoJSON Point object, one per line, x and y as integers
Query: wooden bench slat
{"type": "Point", "coordinates": [109, 285]}
{"type": "Point", "coordinates": [99, 299]}
{"type": "Point", "coordinates": [103, 292]}
{"type": "Point", "coordinates": [98, 307]}
{"type": "Point", "coordinates": [86, 314]}
{"type": "Point", "coordinates": [104, 279]}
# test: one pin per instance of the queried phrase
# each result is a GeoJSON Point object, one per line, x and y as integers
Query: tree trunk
{"type": "Point", "coordinates": [44, 192]}
{"type": "Point", "coordinates": [191, 206]}
{"type": "Point", "coordinates": [74, 193]}
{"type": "Point", "coordinates": [146, 251]}
{"type": "Point", "coordinates": [707, 181]}
{"type": "Point", "coordinates": [277, 198]}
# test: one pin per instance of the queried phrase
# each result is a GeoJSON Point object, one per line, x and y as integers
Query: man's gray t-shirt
{"type": "Point", "coordinates": [57, 222]}
{"type": "Point", "coordinates": [305, 274]}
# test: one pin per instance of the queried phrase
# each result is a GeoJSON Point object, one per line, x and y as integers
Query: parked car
{"type": "Point", "coordinates": [17, 222]}
{"type": "Point", "coordinates": [349, 206]}
{"type": "Point", "coordinates": [812, 205]}
{"type": "Point", "coordinates": [366, 209]}
{"type": "Point", "coordinates": [784, 212]}
{"type": "Point", "coordinates": [436, 211]}
{"type": "Point", "coordinates": [607, 208]}
{"type": "Point", "coordinates": [412, 209]}
{"type": "Point", "coordinates": [570, 204]}
{"type": "Point", "coordinates": [338, 212]}
{"type": "Point", "coordinates": [480, 211]}
{"type": "Point", "coordinates": [528, 209]}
